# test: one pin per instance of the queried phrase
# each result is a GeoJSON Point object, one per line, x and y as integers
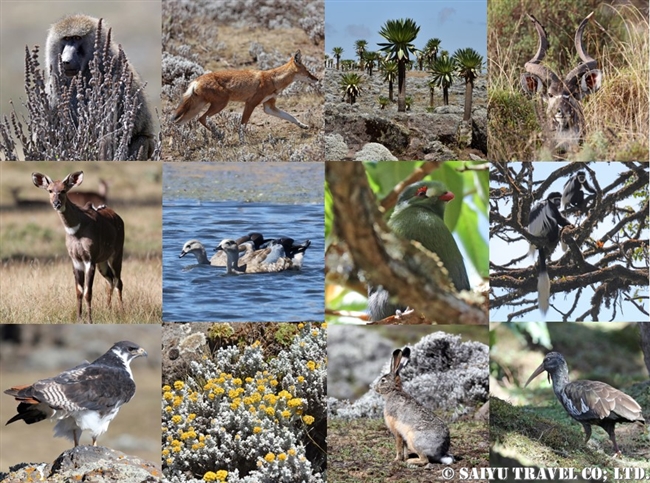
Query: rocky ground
{"type": "Point", "coordinates": [364, 131]}
{"type": "Point", "coordinates": [87, 463]}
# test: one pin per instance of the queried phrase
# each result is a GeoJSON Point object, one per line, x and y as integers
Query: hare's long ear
{"type": "Point", "coordinates": [404, 360]}
{"type": "Point", "coordinates": [395, 362]}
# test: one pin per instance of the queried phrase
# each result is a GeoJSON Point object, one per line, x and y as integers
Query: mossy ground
{"type": "Point", "coordinates": [533, 429]}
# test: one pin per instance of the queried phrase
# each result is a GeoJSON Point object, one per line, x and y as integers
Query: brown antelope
{"type": "Point", "coordinates": [216, 89]}
{"type": "Point", "coordinates": [94, 236]}
{"type": "Point", "coordinates": [563, 120]}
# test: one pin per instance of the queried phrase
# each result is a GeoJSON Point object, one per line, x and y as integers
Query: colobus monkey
{"type": "Point", "coordinates": [545, 221]}
{"type": "Point", "coordinates": [573, 194]}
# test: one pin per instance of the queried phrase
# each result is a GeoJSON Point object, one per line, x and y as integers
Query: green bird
{"type": "Point", "coordinates": [419, 215]}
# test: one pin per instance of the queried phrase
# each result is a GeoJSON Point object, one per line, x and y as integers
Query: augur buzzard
{"type": "Point", "coordinates": [84, 398]}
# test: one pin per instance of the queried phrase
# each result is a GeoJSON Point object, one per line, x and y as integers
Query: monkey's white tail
{"type": "Point", "coordinates": [543, 291]}
{"type": "Point", "coordinates": [543, 283]}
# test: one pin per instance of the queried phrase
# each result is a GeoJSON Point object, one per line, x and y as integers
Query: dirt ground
{"type": "Point", "coordinates": [362, 450]}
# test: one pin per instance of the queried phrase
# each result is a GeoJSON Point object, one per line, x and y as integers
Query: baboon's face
{"type": "Point", "coordinates": [74, 54]}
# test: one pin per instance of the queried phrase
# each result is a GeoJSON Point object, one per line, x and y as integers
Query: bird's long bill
{"type": "Point", "coordinates": [537, 372]}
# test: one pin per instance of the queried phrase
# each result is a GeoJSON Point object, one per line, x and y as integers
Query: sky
{"type": "Point", "coordinates": [502, 252]}
{"type": "Point", "coordinates": [458, 24]}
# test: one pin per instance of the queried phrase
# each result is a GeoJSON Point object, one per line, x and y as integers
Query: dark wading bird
{"type": "Point", "coordinates": [419, 215]}
{"type": "Point", "coordinates": [589, 402]}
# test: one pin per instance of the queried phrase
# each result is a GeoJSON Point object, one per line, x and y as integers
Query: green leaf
{"type": "Point", "coordinates": [475, 246]}
{"type": "Point", "coordinates": [383, 176]}
{"type": "Point", "coordinates": [455, 183]}
{"type": "Point", "coordinates": [329, 213]}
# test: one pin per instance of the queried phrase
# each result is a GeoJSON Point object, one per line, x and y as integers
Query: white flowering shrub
{"type": "Point", "coordinates": [241, 418]}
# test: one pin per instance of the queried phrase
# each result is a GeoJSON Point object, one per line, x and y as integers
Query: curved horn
{"type": "Point", "coordinates": [588, 62]}
{"type": "Point", "coordinates": [542, 47]}
{"type": "Point", "coordinates": [533, 65]}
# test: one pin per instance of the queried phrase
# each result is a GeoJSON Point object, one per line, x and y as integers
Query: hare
{"type": "Point", "coordinates": [425, 434]}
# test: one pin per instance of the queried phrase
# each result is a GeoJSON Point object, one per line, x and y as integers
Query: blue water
{"type": "Point", "coordinates": [203, 293]}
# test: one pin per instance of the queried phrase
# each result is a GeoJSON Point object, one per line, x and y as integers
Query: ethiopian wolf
{"type": "Point", "coordinates": [216, 89]}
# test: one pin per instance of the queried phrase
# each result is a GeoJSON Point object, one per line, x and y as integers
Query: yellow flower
{"type": "Point", "coordinates": [324, 325]}
{"type": "Point", "coordinates": [308, 419]}
{"type": "Point", "coordinates": [301, 379]}
{"type": "Point", "coordinates": [271, 398]}
{"type": "Point", "coordinates": [285, 394]}
{"type": "Point", "coordinates": [249, 380]}
{"type": "Point", "coordinates": [166, 388]}
{"type": "Point", "coordinates": [176, 418]}
{"type": "Point", "coordinates": [282, 456]}
{"type": "Point", "coordinates": [257, 429]}
{"type": "Point", "coordinates": [177, 401]}
{"type": "Point", "coordinates": [237, 382]}
{"type": "Point", "coordinates": [170, 461]}
{"type": "Point", "coordinates": [295, 402]}
{"type": "Point", "coordinates": [270, 457]}
{"type": "Point", "coordinates": [311, 365]}
{"type": "Point", "coordinates": [178, 385]}
{"type": "Point", "coordinates": [314, 332]}
{"type": "Point", "coordinates": [292, 452]}
{"type": "Point", "coordinates": [210, 476]}
{"type": "Point", "coordinates": [221, 475]}
{"type": "Point", "coordinates": [261, 388]}
{"type": "Point", "coordinates": [191, 416]}
{"type": "Point", "coordinates": [168, 396]}
{"type": "Point", "coordinates": [220, 390]}
{"type": "Point", "coordinates": [165, 452]}
{"type": "Point", "coordinates": [286, 413]}
{"type": "Point", "coordinates": [168, 409]}
{"type": "Point", "coordinates": [270, 411]}
{"type": "Point", "coordinates": [274, 383]}
{"type": "Point", "coordinates": [301, 325]}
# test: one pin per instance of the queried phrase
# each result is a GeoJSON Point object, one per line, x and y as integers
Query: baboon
{"type": "Point", "coordinates": [70, 47]}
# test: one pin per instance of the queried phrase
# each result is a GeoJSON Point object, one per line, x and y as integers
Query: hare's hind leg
{"type": "Point", "coordinates": [421, 461]}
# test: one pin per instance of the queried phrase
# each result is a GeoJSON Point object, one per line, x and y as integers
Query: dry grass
{"type": "Point", "coordinates": [43, 292]}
